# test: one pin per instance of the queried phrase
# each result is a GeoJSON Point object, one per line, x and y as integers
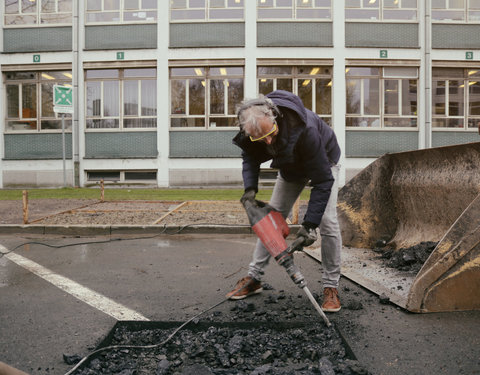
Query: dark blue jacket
{"type": "Point", "coordinates": [305, 148]}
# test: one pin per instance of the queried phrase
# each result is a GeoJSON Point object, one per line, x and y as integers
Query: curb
{"type": "Point", "coordinates": [109, 230]}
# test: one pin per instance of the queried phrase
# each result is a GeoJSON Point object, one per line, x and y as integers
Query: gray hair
{"type": "Point", "coordinates": [252, 111]}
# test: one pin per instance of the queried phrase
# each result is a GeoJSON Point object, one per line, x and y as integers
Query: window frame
{"type": "Point", "coordinates": [38, 81]}
{"type": "Point", "coordinates": [207, 116]}
{"type": "Point", "coordinates": [465, 10]}
{"type": "Point", "coordinates": [296, 76]}
{"type": "Point", "coordinates": [37, 14]}
{"type": "Point", "coordinates": [381, 14]}
{"type": "Point", "coordinates": [206, 12]}
{"type": "Point", "coordinates": [466, 117]}
{"type": "Point", "coordinates": [382, 115]}
{"type": "Point", "coordinates": [294, 12]}
{"type": "Point", "coordinates": [121, 117]}
{"type": "Point", "coordinates": [121, 11]}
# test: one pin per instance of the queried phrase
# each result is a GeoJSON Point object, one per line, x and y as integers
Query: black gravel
{"type": "Point", "coordinates": [223, 348]}
{"type": "Point", "coordinates": [409, 259]}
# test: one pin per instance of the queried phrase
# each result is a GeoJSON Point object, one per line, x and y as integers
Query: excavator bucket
{"type": "Point", "coordinates": [405, 199]}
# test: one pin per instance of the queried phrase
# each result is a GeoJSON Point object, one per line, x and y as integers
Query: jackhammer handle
{"type": "Point", "coordinates": [296, 245]}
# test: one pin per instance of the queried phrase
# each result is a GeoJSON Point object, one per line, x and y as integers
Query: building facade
{"type": "Point", "coordinates": [155, 84]}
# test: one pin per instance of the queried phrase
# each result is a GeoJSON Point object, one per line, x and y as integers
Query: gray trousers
{"type": "Point", "coordinates": [283, 198]}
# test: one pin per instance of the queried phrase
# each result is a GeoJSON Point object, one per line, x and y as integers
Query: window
{"type": "Point", "coordinates": [147, 176]}
{"type": "Point", "coordinates": [456, 98]}
{"type": "Point", "coordinates": [38, 12]}
{"type": "Point", "coordinates": [381, 10]}
{"type": "Point", "coordinates": [206, 10]}
{"type": "Point", "coordinates": [29, 97]}
{"type": "Point", "coordinates": [456, 10]}
{"type": "Point", "coordinates": [121, 98]}
{"type": "Point", "coordinates": [381, 97]}
{"type": "Point", "coordinates": [120, 11]}
{"type": "Point", "coordinates": [313, 84]}
{"type": "Point", "coordinates": [294, 9]}
{"type": "Point", "coordinates": [205, 97]}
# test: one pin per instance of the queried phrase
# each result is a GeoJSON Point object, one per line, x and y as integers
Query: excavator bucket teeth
{"type": "Point", "coordinates": [407, 198]}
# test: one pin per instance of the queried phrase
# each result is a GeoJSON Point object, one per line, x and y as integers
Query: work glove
{"type": "Point", "coordinates": [248, 195]}
{"type": "Point", "coordinates": [308, 233]}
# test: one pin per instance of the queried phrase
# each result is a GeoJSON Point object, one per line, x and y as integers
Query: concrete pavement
{"type": "Point", "coordinates": [65, 299]}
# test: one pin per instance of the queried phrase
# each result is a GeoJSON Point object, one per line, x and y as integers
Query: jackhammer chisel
{"type": "Point", "coordinates": [272, 229]}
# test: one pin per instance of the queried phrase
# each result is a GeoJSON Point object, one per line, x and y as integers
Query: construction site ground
{"type": "Point", "coordinates": [62, 294]}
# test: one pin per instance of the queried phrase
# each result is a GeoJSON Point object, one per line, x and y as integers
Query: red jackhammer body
{"type": "Point", "coordinates": [272, 229]}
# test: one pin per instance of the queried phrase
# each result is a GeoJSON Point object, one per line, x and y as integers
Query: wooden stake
{"type": "Point", "coordinates": [25, 207]}
{"type": "Point", "coordinates": [102, 191]}
{"type": "Point", "coordinates": [295, 210]}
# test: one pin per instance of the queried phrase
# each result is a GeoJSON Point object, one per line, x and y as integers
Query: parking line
{"type": "Point", "coordinates": [84, 294]}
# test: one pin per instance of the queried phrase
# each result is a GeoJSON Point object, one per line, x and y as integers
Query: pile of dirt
{"type": "Point", "coordinates": [409, 259]}
{"type": "Point", "coordinates": [222, 349]}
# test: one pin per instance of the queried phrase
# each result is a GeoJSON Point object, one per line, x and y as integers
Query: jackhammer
{"type": "Point", "coordinates": [272, 229]}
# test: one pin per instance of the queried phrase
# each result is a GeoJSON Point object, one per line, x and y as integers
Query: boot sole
{"type": "Point", "coordinates": [234, 297]}
{"type": "Point", "coordinates": [331, 310]}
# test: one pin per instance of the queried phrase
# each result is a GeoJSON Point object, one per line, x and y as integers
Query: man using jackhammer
{"type": "Point", "coordinates": [304, 149]}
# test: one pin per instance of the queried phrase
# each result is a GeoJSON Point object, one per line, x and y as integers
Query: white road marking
{"type": "Point", "coordinates": [84, 294]}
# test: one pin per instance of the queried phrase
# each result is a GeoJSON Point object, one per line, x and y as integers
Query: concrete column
{"type": "Point", "coordinates": [163, 101]}
{"type": "Point", "coordinates": [338, 87]}
{"type": "Point", "coordinates": [250, 83]}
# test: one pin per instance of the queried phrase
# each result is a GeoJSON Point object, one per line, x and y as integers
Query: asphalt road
{"type": "Point", "coordinates": [65, 300]}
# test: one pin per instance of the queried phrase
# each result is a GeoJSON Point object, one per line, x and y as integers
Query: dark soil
{"type": "Point", "coordinates": [409, 259]}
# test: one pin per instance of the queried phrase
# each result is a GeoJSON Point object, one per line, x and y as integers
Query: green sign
{"type": "Point", "coordinates": [62, 99]}
{"type": "Point", "coordinates": [120, 55]}
{"type": "Point", "coordinates": [469, 55]}
{"type": "Point", "coordinates": [36, 58]}
{"type": "Point", "coordinates": [383, 53]}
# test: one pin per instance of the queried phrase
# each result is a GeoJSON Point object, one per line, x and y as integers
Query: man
{"type": "Point", "coordinates": [304, 149]}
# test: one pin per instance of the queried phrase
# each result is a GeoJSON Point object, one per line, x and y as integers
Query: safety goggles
{"type": "Point", "coordinates": [274, 129]}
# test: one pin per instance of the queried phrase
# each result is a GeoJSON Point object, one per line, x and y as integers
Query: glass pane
{"type": "Point", "coordinates": [29, 6]}
{"type": "Point", "coordinates": [359, 71]}
{"type": "Point", "coordinates": [438, 97]}
{"type": "Point", "coordinates": [94, 101]}
{"type": "Point", "coordinates": [110, 98]}
{"type": "Point", "coordinates": [196, 94]}
{"type": "Point", "coordinates": [130, 4]}
{"type": "Point", "coordinates": [111, 4]}
{"type": "Point", "coordinates": [456, 4]}
{"type": "Point", "coordinates": [11, 6]}
{"type": "Point", "coordinates": [474, 123]}
{"type": "Point", "coordinates": [400, 122]}
{"type": "Point", "coordinates": [409, 97]}
{"type": "Point", "coordinates": [353, 96]}
{"type": "Point", "coordinates": [187, 72]}
{"type": "Point", "coordinates": [94, 5]}
{"type": "Point", "coordinates": [217, 96]}
{"type": "Point", "coordinates": [235, 94]}
{"type": "Point", "coordinates": [455, 98]}
{"type": "Point", "coordinates": [56, 124]}
{"type": "Point", "coordinates": [274, 70]}
{"type": "Point", "coordinates": [363, 122]}
{"type": "Point", "coordinates": [305, 92]}
{"type": "Point", "coordinates": [391, 97]}
{"type": "Point", "coordinates": [274, 13]}
{"type": "Point", "coordinates": [147, 72]}
{"type": "Point", "coordinates": [265, 86]}
{"type": "Point", "coordinates": [230, 14]}
{"type": "Point", "coordinates": [130, 98]}
{"type": "Point", "coordinates": [474, 99]}
{"type": "Point", "coordinates": [48, 6]}
{"type": "Point", "coordinates": [313, 14]}
{"type": "Point", "coordinates": [216, 122]}
{"type": "Point", "coordinates": [285, 84]}
{"type": "Point", "coordinates": [439, 123]}
{"type": "Point", "coordinates": [178, 97]}
{"type": "Point", "coordinates": [371, 94]}
{"type": "Point", "coordinates": [323, 99]}
{"type": "Point", "coordinates": [29, 101]}
{"type": "Point", "coordinates": [102, 73]}
{"type": "Point", "coordinates": [149, 98]}
{"type": "Point", "coordinates": [64, 5]}
{"type": "Point", "coordinates": [47, 100]}
{"type": "Point", "coordinates": [12, 101]}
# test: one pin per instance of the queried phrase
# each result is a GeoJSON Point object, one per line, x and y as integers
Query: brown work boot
{"type": "Point", "coordinates": [245, 287]}
{"type": "Point", "coordinates": [331, 302]}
